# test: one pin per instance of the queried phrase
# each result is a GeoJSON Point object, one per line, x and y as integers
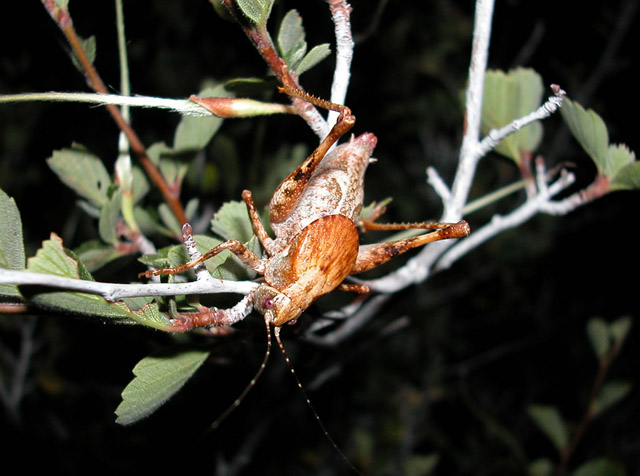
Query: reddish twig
{"type": "Point", "coordinates": [170, 193]}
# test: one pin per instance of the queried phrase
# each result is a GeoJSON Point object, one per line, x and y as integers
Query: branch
{"type": "Point", "coordinates": [62, 18]}
{"type": "Point", "coordinates": [117, 291]}
{"type": "Point", "coordinates": [340, 12]}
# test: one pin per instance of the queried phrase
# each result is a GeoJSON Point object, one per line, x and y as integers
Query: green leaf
{"type": "Point", "coordinates": [109, 215]}
{"type": "Point", "coordinates": [541, 467]}
{"type": "Point", "coordinates": [619, 329]}
{"type": "Point", "coordinates": [89, 47]}
{"type": "Point", "coordinates": [421, 465]}
{"type": "Point", "coordinates": [12, 254]}
{"type": "Point", "coordinates": [600, 467]}
{"type": "Point", "coordinates": [169, 219]}
{"type": "Point", "coordinates": [291, 38]}
{"type": "Point", "coordinates": [610, 394]}
{"type": "Point", "coordinates": [627, 176]}
{"type": "Point", "coordinates": [551, 423]}
{"type": "Point", "coordinates": [232, 221]}
{"type": "Point", "coordinates": [96, 254]}
{"type": "Point", "coordinates": [598, 332]}
{"type": "Point", "coordinates": [83, 172]}
{"type": "Point", "coordinates": [157, 378]}
{"type": "Point", "coordinates": [194, 133]}
{"type": "Point", "coordinates": [257, 11]}
{"type": "Point", "coordinates": [590, 131]}
{"type": "Point", "coordinates": [509, 96]}
{"type": "Point", "coordinates": [293, 47]}
{"type": "Point", "coordinates": [54, 259]}
{"type": "Point", "coordinates": [315, 56]}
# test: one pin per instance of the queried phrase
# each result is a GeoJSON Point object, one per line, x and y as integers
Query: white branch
{"type": "Point", "coordinates": [183, 106]}
{"type": "Point", "coordinates": [344, 54]}
{"type": "Point", "coordinates": [469, 155]}
{"type": "Point", "coordinates": [494, 136]}
{"type": "Point", "coordinates": [116, 291]}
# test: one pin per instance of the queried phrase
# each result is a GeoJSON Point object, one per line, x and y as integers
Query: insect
{"type": "Point", "coordinates": [315, 214]}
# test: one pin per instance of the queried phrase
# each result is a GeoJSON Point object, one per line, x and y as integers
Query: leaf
{"type": "Point", "coordinates": [600, 467]}
{"type": "Point", "coordinates": [83, 172]}
{"type": "Point", "coordinates": [109, 215]}
{"type": "Point", "coordinates": [598, 332]}
{"type": "Point", "coordinates": [232, 221]}
{"type": "Point", "coordinates": [291, 38]}
{"type": "Point", "coordinates": [627, 176]}
{"type": "Point", "coordinates": [421, 465]}
{"type": "Point", "coordinates": [551, 423]}
{"type": "Point", "coordinates": [619, 329]}
{"type": "Point", "coordinates": [510, 96]}
{"type": "Point", "coordinates": [89, 47]}
{"type": "Point", "coordinates": [541, 467]}
{"type": "Point", "coordinates": [590, 131]}
{"type": "Point", "coordinates": [257, 11]}
{"type": "Point", "coordinates": [194, 133]}
{"type": "Point", "coordinates": [610, 394]}
{"type": "Point", "coordinates": [95, 254]}
{"type": "Point", "coordinates": [292, 45]}
{"type": "Point", "coordinates": [315, 56]}
{"type": "Point", "coordinates": [12, 254]}
{"type": "Point", "coordinates": [54, 259]}
{"type": "Point", "coordinates": [157, 378]}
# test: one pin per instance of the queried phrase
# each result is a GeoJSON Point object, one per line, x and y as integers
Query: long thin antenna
{"type": "Point", "coordinates": [248, 388]}
{"type": "Point", "coordinates": [306, 397]}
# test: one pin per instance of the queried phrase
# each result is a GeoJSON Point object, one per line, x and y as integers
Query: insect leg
{"type": "Point", "coordinates": [288, 193]}
{"type": "Point", "coordinates": [372, 256]}
{"type": "Point", "coordinates": [237, 248]}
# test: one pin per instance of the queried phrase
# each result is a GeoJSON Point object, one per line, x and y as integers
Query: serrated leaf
{"type": "Point", "coordinates": [600, 467]}
{"type": "Point", "coordinates": [157, 378]}
{"type": "Point", "coordinates": [12, 254]}
{"type": "Point", "coordinates": [590, 131]}
{"type": "Point", "coordinates": [627, 177]}
{"type": "Point", "coordinates": [315, 56]}
{"type": "Point", "coordinates": [551, 423]}
{"type": "Point", "coordinates": [257, 11]}
{"type": "Point", "coordinates": [54, 259]}
{"type": "Point", "coordinates": [194, 133]}
{"type": "Point", "coordinates": [610, 394]}
{"type": "Point", "coordinates": [598, 332]}
{"type": "Point", "coordinates": [83, 172]}
{"type": "Point", "coordinates": [509, 96]}
{"type": "Point", "coordinates": [232, 221]}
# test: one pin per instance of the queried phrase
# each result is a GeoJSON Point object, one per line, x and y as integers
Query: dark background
{"type": "Point", "coordinates": [501, 330]}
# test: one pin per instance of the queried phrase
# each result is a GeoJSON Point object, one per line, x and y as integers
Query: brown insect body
{"type": "Point", "coordinates": [313, 212]}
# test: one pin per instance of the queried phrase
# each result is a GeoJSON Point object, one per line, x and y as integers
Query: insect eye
{"type": "Point", "coordinates": [267, 303]}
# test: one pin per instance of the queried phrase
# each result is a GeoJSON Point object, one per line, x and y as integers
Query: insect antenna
{"type": "Point", "coordinates": [310, 405]}
{"type": "Point", "coordinates": [247, 389]}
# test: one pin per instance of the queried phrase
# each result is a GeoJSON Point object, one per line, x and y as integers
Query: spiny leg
{"type": "Point", "coordinates": [237, 248]}
{"type": "Point", "coordinates": [289, 191]}
{"type": "Point", "coordinates": [372, 256]}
